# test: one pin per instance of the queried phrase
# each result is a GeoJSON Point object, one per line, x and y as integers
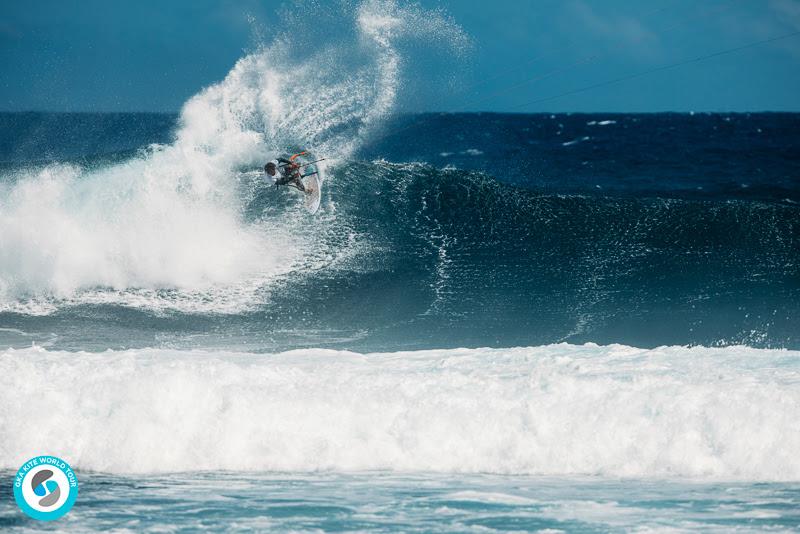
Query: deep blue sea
{"type": "Point", "coordinates": [494, 323]}
{"type": "Point", "coordinates": [446, 231]}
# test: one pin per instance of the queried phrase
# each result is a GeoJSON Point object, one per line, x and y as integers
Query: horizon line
{"type": "Point", "coordinates": [654, 112]}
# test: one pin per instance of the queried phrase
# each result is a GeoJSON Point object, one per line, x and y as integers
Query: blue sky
{"type": "Point", "coordinates": [148, 55]}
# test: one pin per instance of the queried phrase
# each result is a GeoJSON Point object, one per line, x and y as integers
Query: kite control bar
{"type": "Point", "coordinates": [302, 165]}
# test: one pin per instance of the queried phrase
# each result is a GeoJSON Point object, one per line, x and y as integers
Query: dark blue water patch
{"type": "Point", "coordinates": [476, 262]}
{"type": "Point", "coordinates": [82, 137]}
{"type": "Point", "coordinates": [702, 156]}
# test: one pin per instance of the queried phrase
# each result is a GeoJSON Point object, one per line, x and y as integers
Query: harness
{"type": "Point", "coordinates": [290, 171]}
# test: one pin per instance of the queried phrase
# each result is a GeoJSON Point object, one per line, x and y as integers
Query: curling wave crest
{"type": "Point", "coordinates": [167, 229]}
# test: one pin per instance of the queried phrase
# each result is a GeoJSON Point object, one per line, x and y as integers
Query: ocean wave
{"type": "Point", "coordinates": [164, 230]}
{"type": "Point", "coordinates": [559, 409]}
{"type": "Point", "coordinates": [410, 251]}
{"type": "Point", "coordinates": [404, 255]}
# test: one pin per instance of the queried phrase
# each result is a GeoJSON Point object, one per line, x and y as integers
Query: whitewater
{"type": "Point", "coordinates": [171, 218]}
{"type": "Point", "coordinates": [616, 411]}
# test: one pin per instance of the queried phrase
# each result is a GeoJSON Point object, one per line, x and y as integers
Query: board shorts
{"type": "Point", "coordinates": [293, 180]}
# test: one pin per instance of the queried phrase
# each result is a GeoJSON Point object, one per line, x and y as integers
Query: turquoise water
{"type": "Point", "coordinates": [384, 502]}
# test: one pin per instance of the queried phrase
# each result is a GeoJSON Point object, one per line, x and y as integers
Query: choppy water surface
{"type": "Point", "coordinates": [381, 502]}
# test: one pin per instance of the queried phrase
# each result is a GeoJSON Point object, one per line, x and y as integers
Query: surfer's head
{"type": "Point", "coordinates": [269, 168]}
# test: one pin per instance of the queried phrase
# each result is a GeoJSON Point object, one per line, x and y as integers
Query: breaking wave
{"type": "Point", "coordinates": [555, 410]}
{"type": "Point", "coordinates": [165, 229]}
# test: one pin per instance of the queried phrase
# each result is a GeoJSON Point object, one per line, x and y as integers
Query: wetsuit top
{"type": "Point", "coordinates": [289, 174]}
{"type": "Point", "coordinates": [286, 174]}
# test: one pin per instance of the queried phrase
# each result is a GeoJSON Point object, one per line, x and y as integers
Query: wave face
{"type": "Point", "coordinates": [457, 256]}
{"type": "Point", "coordinates": [402, 255]}
{"type": "Point", "coordinates": [555, 410]}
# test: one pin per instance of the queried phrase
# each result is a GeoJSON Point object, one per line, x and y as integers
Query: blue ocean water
{"type": "Point", "coordinates": [459, 230]}
{"type": "Point", "coordinates": [495, 322]}
{"type": "Point", "coordinates": [182, 411]}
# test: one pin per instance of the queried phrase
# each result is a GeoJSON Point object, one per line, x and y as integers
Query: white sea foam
{"type": "Point", "coordinates": [576, 141]}
{"type": "Point", "coordinates": [165, 230]}
{"type": "Point", "coordinates": [710, 413]}
{"type": "Point", "coordinates": [148, 223]}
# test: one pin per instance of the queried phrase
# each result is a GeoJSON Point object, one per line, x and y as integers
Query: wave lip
{"type": "Point", "coordinates": [708, 413]}
{"type": "Point", "coordinates": [165, 229]}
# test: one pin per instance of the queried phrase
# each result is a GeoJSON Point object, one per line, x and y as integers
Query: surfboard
{"type": "Point", "coordinates": [314, 197]}
{"type": "Point", "coordinates": [312, 179]}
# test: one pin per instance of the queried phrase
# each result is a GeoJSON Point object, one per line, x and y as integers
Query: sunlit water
{"type": "Point", "coordinates": [382, 502]}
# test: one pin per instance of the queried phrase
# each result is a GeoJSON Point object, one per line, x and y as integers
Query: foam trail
{"type": "Point", "coordinates": [559, 409]}
{"type": "Point", "coordinates": [165, 230]}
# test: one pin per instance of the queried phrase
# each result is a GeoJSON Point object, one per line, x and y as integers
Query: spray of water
{"type": "Point", "coordinates": [165, 230]}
